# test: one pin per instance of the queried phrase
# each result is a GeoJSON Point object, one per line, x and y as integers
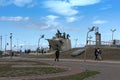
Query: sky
{"type": "Point", "coordinates": [27, 20]}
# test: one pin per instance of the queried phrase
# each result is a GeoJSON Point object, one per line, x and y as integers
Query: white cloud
{"type": "Point", "coordinates": [18, 18]}
{"type": "Point", "coordinates": [51, 20]}
{"type": "Point", "coordinates": [50, 23]}
{"type": "Point", "coordinates": [45, 23]}
{"type": "Point", "coordinates": [99, 22]}
{"type": "Point", "coordinates": [74, 18]}
{"type": "Point", "coordinates": [67, 7]}
{"type": "Point", "coordinates": [19, 3]}
{"type": "Point", "coordinates": [52, 17]}
{"type": "Point", "coordinates": [61, 7]}
{"type": "Point", "coordinates": [71, 19]}
{"type": "Point", "coordinates": [22, 3]}
{"type": "Point", "coordinates": [83, 2]}
{"type": "Point", "coordinates": [106, 7]}
{"type": "Point", "coordinates": [5, 2]}
{"type": "Point", "coordinates": [40, 26]}
{"type": "Point", "coordinates": [26, 18]}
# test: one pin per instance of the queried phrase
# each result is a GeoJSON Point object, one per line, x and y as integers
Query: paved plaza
{"type": "Point", "coordinates": [109, 70]}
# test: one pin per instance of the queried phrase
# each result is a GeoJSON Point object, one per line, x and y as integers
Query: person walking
{"type": "Point", "coordinates": [96, 54]}
{"type": "Point", "coordinates": [99, 54]}
{"type": "Point", "coordinates": [57, 53]}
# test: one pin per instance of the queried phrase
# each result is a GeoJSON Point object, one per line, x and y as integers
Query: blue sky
{"type": "Point", "coordinates": [28, 19]}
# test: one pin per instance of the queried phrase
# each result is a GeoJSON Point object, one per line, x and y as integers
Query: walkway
{"type": "Point", "coordinates": [109, 70]}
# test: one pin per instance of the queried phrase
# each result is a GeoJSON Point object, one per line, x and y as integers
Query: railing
{"type": "Point", "coordinates": [107, 43]}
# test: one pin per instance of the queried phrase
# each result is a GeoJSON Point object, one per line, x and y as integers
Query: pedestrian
{"type": "Point", "coordinates": [99, 54]}
{"type": "Point", "coordinates": [42, 50]}
{"type": "Point", "coordinates": [57, 53]}
{"type": "Point", "coordinates": [96, 53]}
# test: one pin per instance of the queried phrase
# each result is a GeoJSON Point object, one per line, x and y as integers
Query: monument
{"type": "Point", "coordinates": [98, 37]}
{"type": "Point", "coordinates": [60, 41]}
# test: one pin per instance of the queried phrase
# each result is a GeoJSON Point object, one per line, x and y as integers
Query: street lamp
{"type": "Point", "coordinates": [90, 30]}
{"type": "Point", "coordinates": [113, 30]}
{"type": "Point", "coordinates": [76, 42]}
{"type": "Point", "coordinates": [11, 44]}
{"type": "Point", "coordinates": [90, 37]}
{"type": "Point", "coordinates": [1, 43]}
{"type": "Point", "coordinates": [42, 36]}
{"type": "Point", "coordinates": [6, 44]}
{"type": "Point", "coordinates": [21, 49]}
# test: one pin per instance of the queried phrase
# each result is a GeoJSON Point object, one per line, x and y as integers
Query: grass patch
{"type": "Point", "coordinates": [21, 62]}
{"type": "Point", "coordinates": [35, 62]}
{"type": "Point", "coordinates": [8, 71]}
{"type": "Point", "coordinates": [80, 76]}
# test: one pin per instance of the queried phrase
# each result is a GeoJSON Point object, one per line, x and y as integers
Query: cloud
{"type": "Point", "coordinates": [67, 7]}
{"type": "Point", "coordinates": [18, 18]}
{"type": "Point", "coordinates": [60, 7]}
{"type": "Point", "coordinates": [19, 3]}
{"type": "Point", "coordinates": [50, 22]}
{"type": "Point", "coordinates": [83, 2]}
{"type": "Point", "coordinates": [40, 26]}
{"type": "Point", "coordinates": [99, 22]}
{"type": "Point", "coordinates": [22, 3]}
{"type": "Point", "coordinates": [71, 19]}
{"type": "Point", "coordinates": [45, 23]}
{"type": "Point", "coordinates": [106, 7]}
{"type": "Point", "coordinates": [5, 2]}
{"type": "Point", "coordinates": [52, 17]}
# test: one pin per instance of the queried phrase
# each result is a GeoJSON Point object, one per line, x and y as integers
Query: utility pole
{"type": "Point", "coordinates": [6, 44]}
{"type": "Point", "coordinates": [90, 30]}
{"type": "Point", "coordinates": [11, 43]}
{"type": "Point", "coordinates": [1, 42]}
{"type": "Point", "coordinates": [42, 36]}
{"type": "Point", "coordinates": [113, 30]}
{"type": "Point", "coordinates": [89, 40]}
{"type": "Point", "coordinates": [76, 42]}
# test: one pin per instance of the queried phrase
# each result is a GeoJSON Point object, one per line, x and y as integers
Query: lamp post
{"type": "Point", "coordinates": [21, 50]}
{"type": "Point", "coordinates": [113, 30]}
{"type": "Point", "coordinates": [90, 30]}
{"type": "Point", "coordinates": [42, 36]}
{"type": "Point", "coordinates": [76, 42]}
{"type": "Point", "coordinates": [11, 44]}
{"type": "Point", "coordinates": [6, 44]}
{"type": "Point", "coordinates": [1, 43]}
{"type": "Point", "coordinates": [1, 46]}
{"type": "Point", "coordinates": [90, 37]}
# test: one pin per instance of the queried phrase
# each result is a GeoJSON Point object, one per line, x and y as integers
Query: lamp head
{"type": "Point", "coordinates": [91, 29]}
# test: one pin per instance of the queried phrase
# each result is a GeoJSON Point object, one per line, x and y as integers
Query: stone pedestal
{"type": "Point", "coordinates": [59, 43]}
{"type": "Point", "coordinates": [66, 44]}
{"type": "Point", "coordinates": [98, 39]}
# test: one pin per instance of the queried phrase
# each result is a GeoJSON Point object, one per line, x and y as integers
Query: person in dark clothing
{"type": "Point", "coordinates": [57, 53]}
{"type": "Point", "coordinates": [96, 54]}
{"type": "Point", "coordinates": [99, 54]}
